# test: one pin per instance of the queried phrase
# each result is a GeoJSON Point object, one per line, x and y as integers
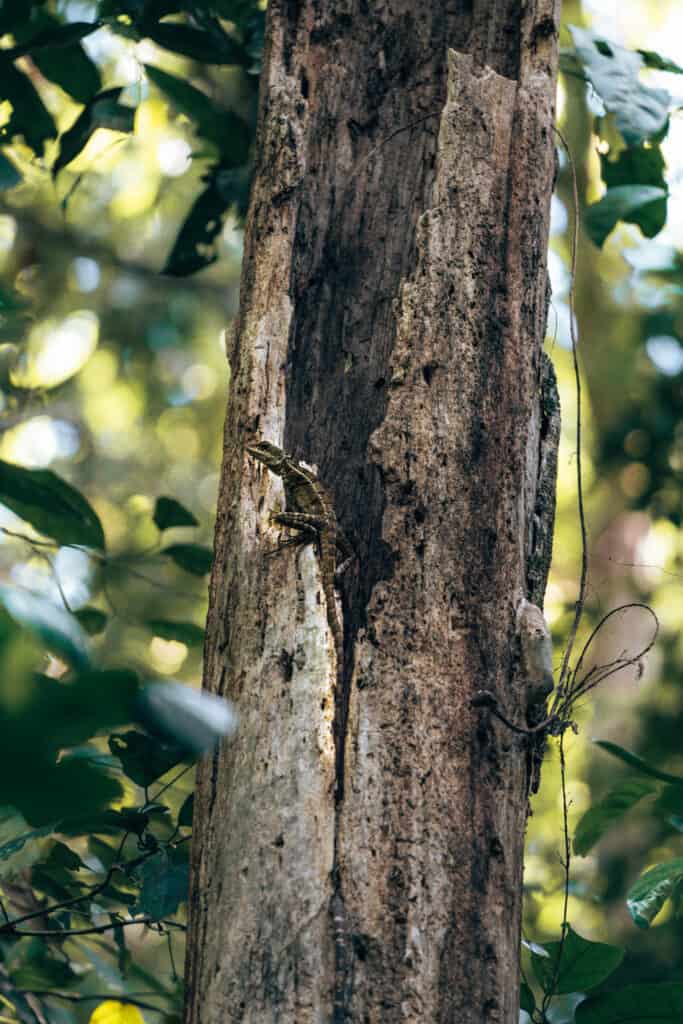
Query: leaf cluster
{"type": "Point", "coordinates": [633, 123]}
{"type": "Point", "coordinates": [46, 47]}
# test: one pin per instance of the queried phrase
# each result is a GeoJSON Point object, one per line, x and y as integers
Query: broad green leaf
{"type": "Point", "coordinates": [191, 557]}
{"type": "Point", "coordinates": [53, 36]}
{"type": "Point", "coordinates": [54, 876]}
{"type": "Point", "coordinates": [599, 818]}
{"type": "Point", "coordinates": [526, 998]}
{"type": "Point", "coordinates": [639, 165]}
{"type": "Point", "coordinates": [186, 811]}
{"type": "Point", "coordinates": [194, 719]}
{"type": "Point", "coordinates": [228, 132]}
{"type": "Point", "coordinates": [144, 758]}
{"type": "Point", "coordinates": [44, 791]}
{"type": "Point", "coordinates": [52, 623]}
{"type": "Point", "coordinates": [644, 205]}
{"type": "Point", "coordinates": [194, 247]}
{"type": "Point", "coordinates": [55, 50]}
{"type": "Point", "coordinates": [9, 175]}
{"type": "Point", "coordinates": [208, 48]}
{"type": "Point", "coordinates": [636, 165]}
{"type": "Point", "coordinates": [647, 896]}
{"type": "Point", "coordinates": [113, 1012]}
{"type": "Point", "coordinates": [640, 111]}
{"type": "Point", "coordinates": [50, 505]}
{"type": "Point", "coordinates": [75, 709]}
{"type": "Point", "coordinates": [659, 63]}
{"type": "Point", "coordinates": [168, 513]}
{"type": "Point", "coordinates": [183, 632]}
{"type": "Point", "coordinates": [582, 964]}
{"type": "Point", "coordinates": [634, 1004]}
{"type": "Point", "coordinates": [92, 620]}
{"type": "Point", "coordinates": [102, 111]}
{"type": "Point", "coordinates": [637, 762]}
{"type": "Point", "coordinates": [31, 777]}
{"type": "Point", "coordinates": [164, 886]}
{"type": "Point", "coordinates": [29, 115]}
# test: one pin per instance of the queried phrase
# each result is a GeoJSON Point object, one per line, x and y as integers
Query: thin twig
{"type": "Point", "coordinates": [581, 601]}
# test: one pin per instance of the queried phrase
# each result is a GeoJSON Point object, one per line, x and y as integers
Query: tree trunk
{"type": "Point", "coordinates": [358, 847]}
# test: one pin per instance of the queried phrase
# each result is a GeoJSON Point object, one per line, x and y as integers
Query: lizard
{"type": "Point", "coordinates": [309, 510]}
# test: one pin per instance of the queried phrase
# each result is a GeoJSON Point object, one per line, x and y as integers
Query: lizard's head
{"type": "Point", "coordinates": [267, 453]}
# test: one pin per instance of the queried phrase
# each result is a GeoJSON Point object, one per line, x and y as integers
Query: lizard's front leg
{"type": "Point", "coordinates": [306, 526]}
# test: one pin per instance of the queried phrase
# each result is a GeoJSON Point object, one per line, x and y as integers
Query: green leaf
{"type": "Point", "coordinates": [164, 886]}
{"type": "Point", "coordinates": [186, 811]}
{"type": "Point", "coordinates": [228, 132]}
{"type": "Point", "coordinates": [72, 70]}
{"type": "Point", "coordinates": [75, 709]}
{"type": "Point", "coordinates": [52, 623]}
{"type": "Point", "coordinates": [643, 205]}
{"type": "Point", "coordinates": [50, 505]}
{"type": "Point", "coordinates": [29, 117]}
{"type": "Point", "coordinates": [194, 247]}
{"type": "Point", "coordinates": [9, 175]}
{"type": "Point", "coordinates": [144, 758]}
{"type": "Point", "coordinates": [205, 47]}
{"type": "Point", "coordinates": [191, 557]}
{"type": "Point", "coordinates": [526, 999]}
{"type": "Point", "coordinates": [636, 165]}
{"type": "Point", "coordinates": [637, 762]}
{"type": "Point", "coordinates": [55, 50]}
{"type": "Point", "coordinates": [44, 791]}
{"type": "Point", "coordinates": [647, 896]}
{"type": "Point", "coordinates": [659, 63]}
{"type": "Point", "coordinates": [582, 964]}
{"type": "Point", "coordinates": [183, 632]}
{"type": "Point", "coordinates": [168, 513]}
{"type": "Point", "coordinates": [635, 1004]}
{"type": "Point", "coordinates": [92, 620]}
{"type": "Point", "coordinates": [54, 36]}
{"type": "Point", "coordinates": [640, 111]}
{"type": "Point", "coordinates": [103, 111]}
{"type": "Point", "coordinates": [599, 818]}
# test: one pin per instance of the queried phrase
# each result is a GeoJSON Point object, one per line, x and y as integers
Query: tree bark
{"type": "Point", "coordinates": [358, 848]}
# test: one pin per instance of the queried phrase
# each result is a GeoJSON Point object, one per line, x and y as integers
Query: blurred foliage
{"type": "Point", "coordinates": [620, 116]}
{"type": "Point", "coordinates": [126, 135]}
{"type": "Point", "coordinates": [125, 155]}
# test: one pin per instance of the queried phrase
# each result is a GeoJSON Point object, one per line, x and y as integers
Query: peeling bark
{"type": "Point", "coordinates": [358, 848]}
